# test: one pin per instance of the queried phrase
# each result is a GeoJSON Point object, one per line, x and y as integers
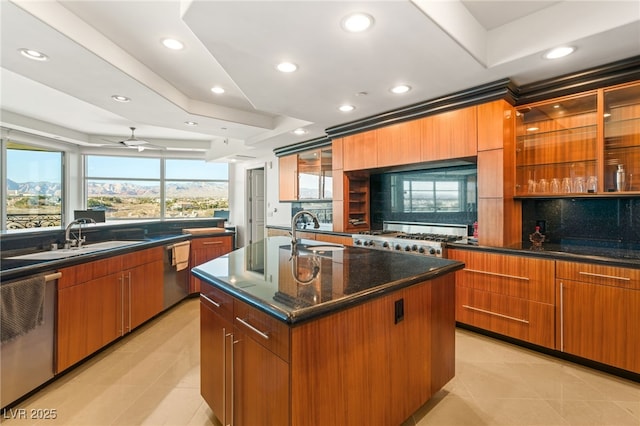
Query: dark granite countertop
{"type": "Point", "coordinates": [624, 256]}
{"type": "Point", "coordinates": [262, 275]}
{"type": "Point", "coordinates": [11, 269]}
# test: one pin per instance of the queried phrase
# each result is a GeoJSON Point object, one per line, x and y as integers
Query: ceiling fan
{"type": "Point", "coordinates": [139, 144]}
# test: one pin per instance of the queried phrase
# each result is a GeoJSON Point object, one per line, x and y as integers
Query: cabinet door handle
{"type": "Point", "coordinates": [121, 279]}
{"type": "Point", "coordinates": [129, 281]}
{"type": "Point", "coordinates": [613, 277]}
{"type": "Point", "coordinates": [208, 243]}
{"type": "Point", "coordinates": [561, 316]}
{"type": "Point", "coordinates": [262, 334]}
{"type": "Point", "coordinates": [495, 314]}
{"type": "Point", "coordinates": [495, 274]}
{"type": "Point", "coordinates": [216, 304]}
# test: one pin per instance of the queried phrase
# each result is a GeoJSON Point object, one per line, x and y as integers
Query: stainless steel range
{"type": "Point", "coordinates": [427, 239]}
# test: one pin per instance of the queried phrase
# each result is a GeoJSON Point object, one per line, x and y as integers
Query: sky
{"type": "Point", "coordinates": [41, 166]}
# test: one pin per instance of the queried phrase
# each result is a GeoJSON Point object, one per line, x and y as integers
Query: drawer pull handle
{"type": "Point", "coordinates": [495, 314]}
{"type": "Point", "coordinates": [252, 328]}
{"type": "Point", "coordinates": [613, 277]}
{"type": "Point", "coordinates": [208, 243]}
{"type": "Point", "coordinates": [515, 277]}
{"type": "Point", "coordinates": [216, 304]}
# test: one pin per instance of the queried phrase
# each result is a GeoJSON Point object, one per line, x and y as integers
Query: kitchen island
{"type": "Point", "coordinates": [323, 334]}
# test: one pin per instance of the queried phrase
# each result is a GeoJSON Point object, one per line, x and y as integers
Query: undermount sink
{"type": "Point", "coordinates": [320, 248]}
{"type": "Point", "coordinates": [64, 253]}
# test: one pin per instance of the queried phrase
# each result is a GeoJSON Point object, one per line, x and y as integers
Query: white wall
{"type": "Point", "coordinates": [277, 214]}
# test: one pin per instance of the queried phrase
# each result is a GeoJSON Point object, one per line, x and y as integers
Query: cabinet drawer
{"type": "Point", "coordinates": [142, 257]}
{"type": "Point", "coordinates": [598, 274]}
{"type": "Point", "coordinates": [262, 328]}
{"type": "Point", "coordinates": [218, 301]}
{"type": "Point", "coordinates": [514, 276]}
{"type": "Point", "coordinates": [79, 274]}
{"type": "Point", "coordinates": [203, 243]}
{"type": "Point", "coordinates": [518, 318]}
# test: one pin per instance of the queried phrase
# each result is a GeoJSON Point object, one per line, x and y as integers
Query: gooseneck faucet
{"type": "Point", "coordinates": [294, 220]}
{"type": "Point", "coordinates": [68, 242]}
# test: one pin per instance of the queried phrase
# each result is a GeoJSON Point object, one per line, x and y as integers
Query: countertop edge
{"type": "Point", "coordinates": [314, 312]}
{"type": "Point", "coordinates": [551, 255]}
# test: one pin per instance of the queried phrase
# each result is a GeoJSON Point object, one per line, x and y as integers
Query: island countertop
{"type": "Point", "coordinates": [315, 281]}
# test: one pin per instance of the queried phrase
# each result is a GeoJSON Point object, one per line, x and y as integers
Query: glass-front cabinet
{"type": "Point", "coordinates": [557, 147]}
{"type": "Point", "coordinates": [622, 138]}
{"type": "Point", "coordinates": [315, 174]}
{"type": "Point", "coordinates": [581, 145]}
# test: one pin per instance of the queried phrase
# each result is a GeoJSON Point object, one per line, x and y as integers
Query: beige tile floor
{"type": "Point", "coordinates": [151, 377]}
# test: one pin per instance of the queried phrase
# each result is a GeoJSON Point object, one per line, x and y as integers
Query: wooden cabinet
{"type": "Point", "coordinates": [450, 135]}
{"type": "Point", "coordinates": [399, 144]}
{"type": "Point", "coordinates": [622, 135]}
{"type": "Point", "coordinates": [243, 363]}
{"type": "Point", "coordinates": [288, 177]}
{"type": "Point", "coordinates": [597, 306]}
{"type": "Point", "coordinates": [509, 295]}
{"type": "Point", "coordinates": [360, 151]}
{"type": "Point", "coordinates": [357, 202]}
{"type": "Point", "coordinates": [557, 146]}
{"type": "Point", "coordinates": [102, 300]}
{"type": "Point", "coordinates": [204, 249]}
{"type": "Point", "coordinates": [327, 370]}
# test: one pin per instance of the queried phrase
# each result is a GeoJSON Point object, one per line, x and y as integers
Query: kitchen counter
{"type": "Point", "coordinates": [625, 257]}
{"type": "Point", "coordinates": [262, 276]}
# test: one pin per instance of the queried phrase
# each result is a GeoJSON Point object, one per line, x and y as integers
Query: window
{"type": "Point", "coordinates": [152, 188]}
{"type": "Point", "coordinates": [125, 187]}
{"type": "Point", "coordinates": [34, 196]}
{"type": "Point", "coordinates": [195, 188]}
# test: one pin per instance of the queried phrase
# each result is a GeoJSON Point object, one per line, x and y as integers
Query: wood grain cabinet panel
{"type": "Point", "coordinates": [509, 295]}
{"type": "Point", "coordinates": [450, 135]}
{"type": "Point", "coordinates": [360, 151]}
{"type": "Point", "coordinates": [597, 309]}
{"type": "Point", "coordinates": [204, 249]}
{"type": "Point", "coordinates": [288, 177]}
{"type": "Point", "coordinates": [399, 144]}
{"type": "Point", "coordinates": [96, 307]}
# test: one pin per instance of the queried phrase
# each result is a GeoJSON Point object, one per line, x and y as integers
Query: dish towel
{"type": "Point", "coordinates": [180, 255]}
{"type": "Point", "coordinates": [21, 307]}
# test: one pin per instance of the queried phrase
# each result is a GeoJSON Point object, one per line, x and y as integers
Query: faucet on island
{"type": "Point", "coordinates": [77, 243]}
{"type": "Point", "coordinates": [294, 220]}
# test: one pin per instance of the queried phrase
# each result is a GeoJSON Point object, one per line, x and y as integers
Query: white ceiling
{"type": "Point", "coordinates": [102, 48]}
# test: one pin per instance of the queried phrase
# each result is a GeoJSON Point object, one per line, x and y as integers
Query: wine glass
{"type": "Point", "coordinates": [566, 185]}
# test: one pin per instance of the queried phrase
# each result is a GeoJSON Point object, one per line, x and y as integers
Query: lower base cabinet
{"type": "Point", "coordinates": [598, 308]}
{"type": "Point", "coordinates": [357, 365]}
{"type": "Point", "coordinates": [102, 300]}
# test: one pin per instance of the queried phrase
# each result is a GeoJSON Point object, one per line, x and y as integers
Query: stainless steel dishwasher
{"type": "Point", "coordinates": [176, 283]}
{"type": "Point", "coordinates": [26, 361]}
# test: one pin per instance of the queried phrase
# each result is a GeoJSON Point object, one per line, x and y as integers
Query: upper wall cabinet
{"type": "Point", "coordinates": [622, 136]}
{"type": "Point", "coordinates": [360, 151]}
{"type": "Point", "coordinates": [288, 177]}
{"type": "Point", "coordinates": [582, 145]}
{"type": "Point", "coordinates": [450, 135]}
{"type": "Point", "coordinates": [399, 144]}
{"type": "Point", "coordinates": [306, 176]}
{"type": "Point", "coordinates": [557, 146]}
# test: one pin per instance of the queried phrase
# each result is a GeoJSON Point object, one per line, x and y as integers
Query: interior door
{"type": "Point", "coordinates": [256, 205]}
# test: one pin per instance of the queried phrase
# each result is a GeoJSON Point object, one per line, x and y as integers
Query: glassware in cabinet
{"type": "Point", "coordinates": [622, 136]}
{"type": "Point", "coordinates": [556, 147]}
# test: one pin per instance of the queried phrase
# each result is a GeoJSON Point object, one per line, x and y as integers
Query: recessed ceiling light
{"type": "Point", "coordinates": [287, 67]}
{"type": "Point", "coordinates": [33, 54]}
{"type": "Point", "coordinates": [357, 22]}
{"type": "Point", "coordinates": [173, 44]}
{"type": "Point", "coordinates": [559, 52]}
{"type": "Point", "coordinates": [346, 108]}
{"type": "Point", "coordinates": [402, 88]}
{"type": "Point", "coordinates": [191, 123]}
{"type": "Point", "coordinates": [120, 98]}
{"type": "Point", "coordinates": [299, 132]}
{"type": "Point", "coordinates": [217, 90]}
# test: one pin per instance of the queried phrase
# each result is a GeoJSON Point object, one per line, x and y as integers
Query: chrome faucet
{"type": "Point", "coordinates": [294, 220]}
{"type": "Point", "coordinates": [77, 243]}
